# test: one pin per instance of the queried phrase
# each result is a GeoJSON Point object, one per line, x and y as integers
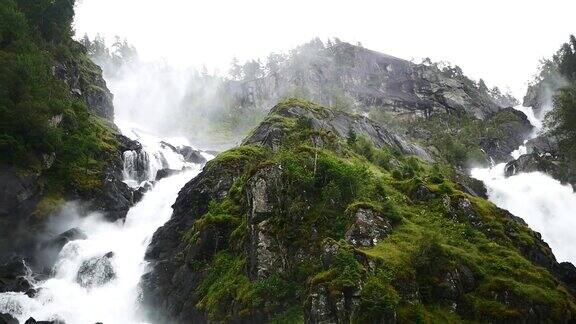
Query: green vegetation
{"type": "Point", "coordinates": [459, 140]}
{"type": "Point", "coordinates": [44, 128]}
{"type": "Point", "coordinates": [562, 119]}
{"type": "Point", "coordinates": [444, 234]}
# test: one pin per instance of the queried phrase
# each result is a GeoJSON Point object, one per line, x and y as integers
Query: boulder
{"type": "Point", "coordinates": [96, 271]}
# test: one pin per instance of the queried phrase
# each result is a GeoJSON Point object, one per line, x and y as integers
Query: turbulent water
{"type": "Point", "coordinates": [91, 284]}
{"type": "Point", "coordinates": [543, 202]}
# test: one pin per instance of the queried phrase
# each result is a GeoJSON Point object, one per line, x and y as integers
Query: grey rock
{"type": "Point", "coordinates": [368, 229]}
{"type": "Point", "coordinates": [165, 173]}
{"type": "Point", "coordinates": [96, 271]}
{"type": "Point", "coordinates": [85, 81]}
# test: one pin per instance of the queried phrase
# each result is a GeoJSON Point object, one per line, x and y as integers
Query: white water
{"type": "Point", "coordinates": [543, 202]}
{"type": "Point", "coordinates": [61, 297]}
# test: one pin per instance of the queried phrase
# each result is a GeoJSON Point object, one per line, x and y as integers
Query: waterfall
{"type": "Point", "coordinates": [96, 279]}
{"type": "Point", "coordinates": [544, 203]}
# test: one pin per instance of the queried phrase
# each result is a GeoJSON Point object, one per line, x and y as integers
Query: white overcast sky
{"type": "Point", "coordinates": [500, 41]}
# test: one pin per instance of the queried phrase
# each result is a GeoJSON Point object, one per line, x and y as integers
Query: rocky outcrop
{"type": "Point", "coordinates": [368, 229]}
{"type": "Point", "coordinates": [16, 276]}
{"type": "Point", "coordinates": [84, 78]}
{"type": "Point", "coordinates": [341, 124]}
{"type": "Point", "coordinates": [512, 128]}
{"type": "Point", "coordinates": [169, 296]}
{"type": "Point", "coordinates": [20, 192]}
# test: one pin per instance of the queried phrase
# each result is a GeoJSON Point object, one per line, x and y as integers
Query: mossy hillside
{"type": "Point", "coordinates": [322, 186]}
{"type": "Point", "coordinates": [44, 128]}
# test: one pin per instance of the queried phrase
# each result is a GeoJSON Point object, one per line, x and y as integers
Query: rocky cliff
{"type": "Point", "coordinates": [456, 118]}
{"type": "Point", "coordinates": [347, 75]}
{"type": "Point", "coordinates": [321, 216]}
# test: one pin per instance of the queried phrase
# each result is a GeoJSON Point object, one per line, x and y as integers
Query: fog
{"type": "Point", "coordinates": [499, 41]}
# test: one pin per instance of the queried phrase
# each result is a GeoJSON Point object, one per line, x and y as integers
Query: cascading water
{"type": "Point", "coordinates": [96, 279]}
{"type": "Point", "coordinates": [543, 202]}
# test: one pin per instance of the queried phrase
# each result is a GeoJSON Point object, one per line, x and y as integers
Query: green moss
{"type": "Point", "coordinates": [320, 189]}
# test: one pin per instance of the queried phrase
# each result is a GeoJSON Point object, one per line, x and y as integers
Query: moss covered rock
{"type": "Point", "coordinates": [321, 216]}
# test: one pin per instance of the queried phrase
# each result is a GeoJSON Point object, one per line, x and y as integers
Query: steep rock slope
{"type": "Point", "coordinates": [308, 221]}
{"type": "Point", "coordinates": [346, 74]}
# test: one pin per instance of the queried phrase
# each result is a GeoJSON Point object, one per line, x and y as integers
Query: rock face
{"type": "Point", "coordinates": [189, 154]}
{"type": "Point", "coordinates": [84, 78]}
{"type": "Point", "coordinates": [96, 271]}
{"type": "Point", "coordinates": [512, 130]}
{"type": "Point", "coordinates": [344, 74]}
{"type": "Point", "coordinates": [262, 234]}
{"type": "Point", "coordinates": [15, 276]}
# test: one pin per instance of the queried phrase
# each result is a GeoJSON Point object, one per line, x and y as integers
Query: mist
{"type": "Point", "coordinates": [501, 42]}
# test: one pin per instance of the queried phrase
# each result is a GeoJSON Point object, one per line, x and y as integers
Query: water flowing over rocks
{"type": "Point", "coordinates": [96, 271]}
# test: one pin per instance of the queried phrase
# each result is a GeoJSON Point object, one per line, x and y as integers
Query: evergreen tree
{"type": "Point", "coordinates": [235, 69]}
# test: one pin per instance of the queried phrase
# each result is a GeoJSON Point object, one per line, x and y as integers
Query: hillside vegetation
{"type": "Point", "coordinates": [324, 216]}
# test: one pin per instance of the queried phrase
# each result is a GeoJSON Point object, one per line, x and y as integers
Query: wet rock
{"type": "Point", "coordinates": [165, 173]}
{"type": "Point", "coordinates": [115, 199]}
{"type": "Point", "coordinates": [368, 229]}
{"type": "Point", "coordinates": [127, 144]}
{"type": "Point", "coordinates": [96, 271]}
{"type": "Point", "coordinates": [62, 239]}
{"type": "Point", "coordinates": [14, 276]}
{"type": "Point", "coordinates": [19, 194]}
{"type": "Point", "coordinates": [513, 128]}
{"type": "Point", "coordinates": [31, 320]}
{"type": "Point", "coordinates": [7, 319]}
{"type": "Point", "coordinates": [190, 155]}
